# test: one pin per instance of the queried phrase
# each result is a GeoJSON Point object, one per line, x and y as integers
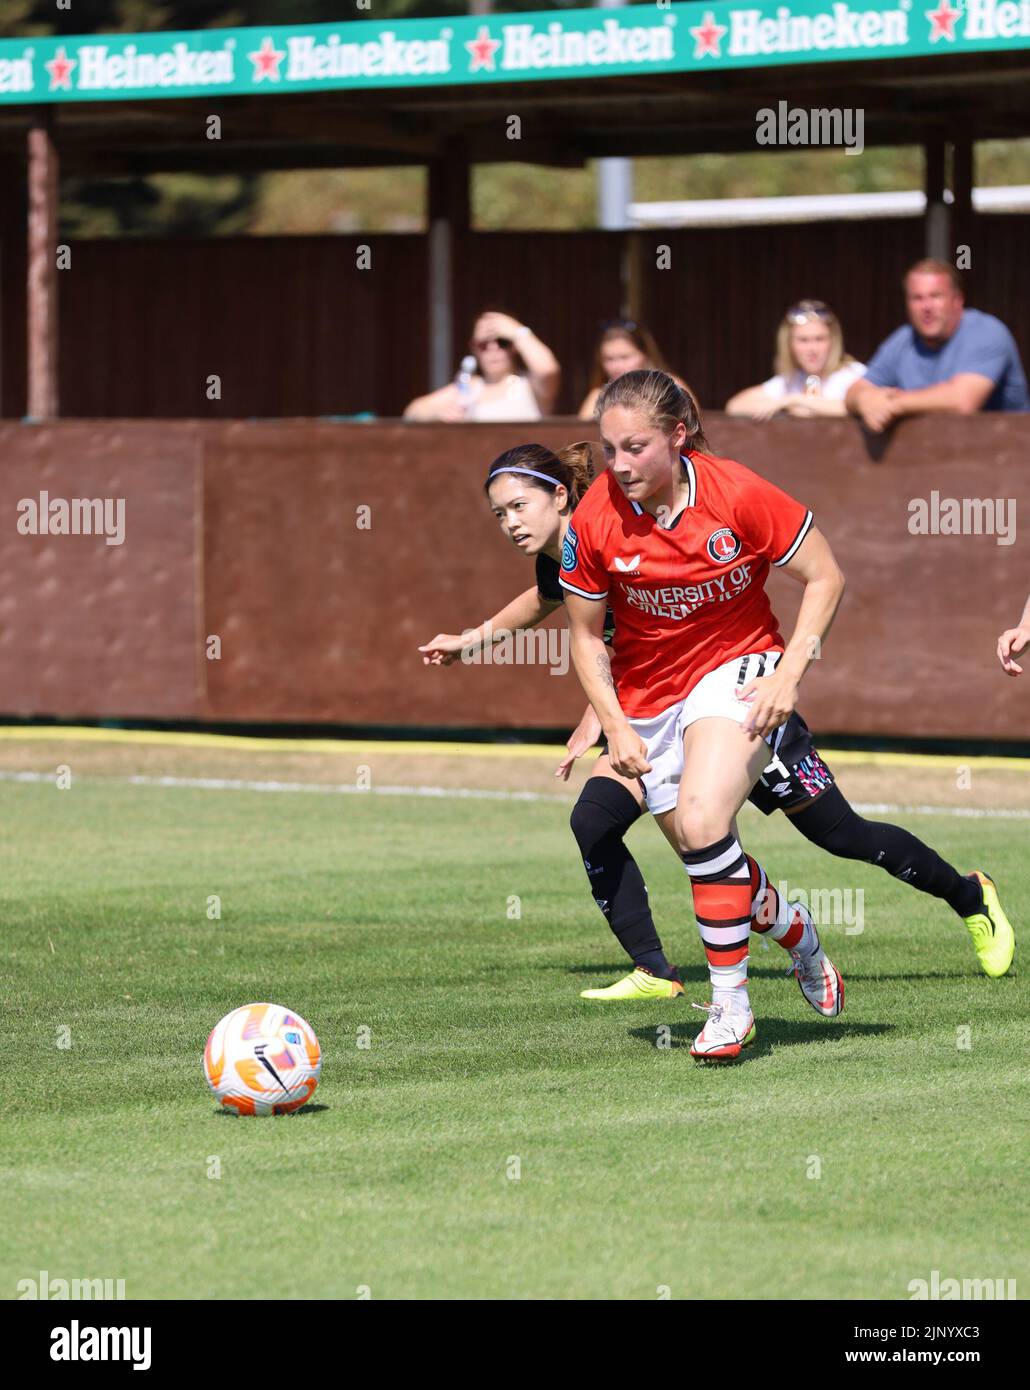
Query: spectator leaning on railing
{"type": "Point", "coordinates": [813, 372]}
{"type": "Point", "coordinates": [517, 377]}
{"type": "Point", "coordinates": [946, 358]}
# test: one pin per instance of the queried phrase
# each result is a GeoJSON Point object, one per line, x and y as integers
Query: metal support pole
{"type": "Point", "coordinates": [14, 214]}
{"type": "Point", "coordinates": [937, 221]}
{"type": "Point", "coordinates": [961, 251]}
{"type": "Point", "coordinates": [42, 269]}
{"type": "Point", "coordinates": [614, 175]}
{"type": "Point", "coordinates": [448, 221]}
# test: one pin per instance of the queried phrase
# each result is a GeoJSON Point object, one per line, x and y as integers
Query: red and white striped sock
{"type": "Point", "coordinates": [774, 917]}
{"type": "Point", "coordinates": [721, 886]}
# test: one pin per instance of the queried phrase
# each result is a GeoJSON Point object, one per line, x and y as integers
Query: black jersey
{"type": "Point", "coordinates": [549, 588]}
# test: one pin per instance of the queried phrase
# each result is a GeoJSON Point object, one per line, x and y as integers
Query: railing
{"type": "Point", "coordinates": [287, 571]}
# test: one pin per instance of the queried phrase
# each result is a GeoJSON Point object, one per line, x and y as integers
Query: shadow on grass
{"type": "Point", "coordinates": [877, 977]}
{"type": "Point", "coordinates": [312, 1109]}
{"type": "Point", "coordinates": [608, 974]}
{"type": "Point", "coordinates": [764, 970]}
{"type": "Point", "coordinates": [772, 1033]}
{"type": "Point", "coordinates": [698, 974]}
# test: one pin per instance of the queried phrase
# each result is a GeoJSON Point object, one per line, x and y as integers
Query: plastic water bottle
{"type": "Point", "coordinates": [463, 381]}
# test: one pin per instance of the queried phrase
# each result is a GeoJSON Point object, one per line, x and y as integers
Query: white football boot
{"type": "Point", "coordinates": [725, 1033]}
{"type": "Point", "coordinates": [820, 980]}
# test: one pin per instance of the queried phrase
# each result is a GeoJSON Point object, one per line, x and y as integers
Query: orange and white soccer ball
{"type": "Point", "coordinates": [262, 1059]}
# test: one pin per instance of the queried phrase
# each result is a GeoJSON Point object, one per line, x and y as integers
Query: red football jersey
{"type": "Point", "coordinates": [691, 596]}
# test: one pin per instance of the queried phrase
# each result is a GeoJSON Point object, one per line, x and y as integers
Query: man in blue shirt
{"type": "Point", "coordinates": [946, 358]}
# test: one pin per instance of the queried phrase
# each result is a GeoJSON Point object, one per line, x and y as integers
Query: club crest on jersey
{"type": "Point", "coordinates": [569, 546]}
{"type": "Point", "coordinates": [723, 546]}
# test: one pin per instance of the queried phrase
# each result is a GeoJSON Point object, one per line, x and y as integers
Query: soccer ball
{"type": "Point", "coordinates": [262, 1060]}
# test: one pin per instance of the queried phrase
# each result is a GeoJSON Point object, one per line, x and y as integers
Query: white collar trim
{"type": "Point", "coordinates": [692, 493]}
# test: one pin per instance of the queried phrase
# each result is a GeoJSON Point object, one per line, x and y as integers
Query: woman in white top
{"type": "Point", "coordinates": [517, 379]}
{"type": "Point", "coordinates": [813, 372]}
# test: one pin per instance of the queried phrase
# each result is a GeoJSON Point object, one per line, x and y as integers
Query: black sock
{"type": "Point", "coordinates": [600, 818]}
{"type": "Point", "coordinates": [831, 823]}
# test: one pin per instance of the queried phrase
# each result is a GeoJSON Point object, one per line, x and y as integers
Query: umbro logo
{"type": "Point", "coordinates": [627, 566]}
{"type": "Point", "coordinates": [781, 789]}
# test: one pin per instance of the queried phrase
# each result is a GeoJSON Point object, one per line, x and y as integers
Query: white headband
{"type": "Point", "coordinates": [530, 473]}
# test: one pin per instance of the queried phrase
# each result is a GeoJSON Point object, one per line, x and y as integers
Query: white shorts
{"type": "Point", "coordinates": [714, 694]}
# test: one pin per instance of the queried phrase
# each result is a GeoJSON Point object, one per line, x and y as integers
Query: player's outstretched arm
{"type": "Point", "coordinates": [775, 696]}
{"type": "Point", "coordinates": [626, 749]}
{"type": "Point", "coordinates": [1013, 642]}
{"type": "Point", "coordinates": [581, 740]}
{"type": "Point", "coordinates": [528, 609]}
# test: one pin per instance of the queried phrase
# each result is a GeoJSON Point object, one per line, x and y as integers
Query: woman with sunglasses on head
{"type": "Point", "coordinates": [813, 372]}
{"type": "Point", "coordinates": [624, 346]}
{"type": "Point", "coordinates": [517, 377]}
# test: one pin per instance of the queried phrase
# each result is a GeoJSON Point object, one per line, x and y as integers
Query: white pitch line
{"type": "Point", "coordinates": [969, 812]}
{"type": "Point", "coordinates": [321, 788]}
{"type": "Point", "coordinates": [471, 794]}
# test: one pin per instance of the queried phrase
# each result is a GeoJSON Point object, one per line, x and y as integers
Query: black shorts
{"type": "Point", "coordinates": [796, 775]}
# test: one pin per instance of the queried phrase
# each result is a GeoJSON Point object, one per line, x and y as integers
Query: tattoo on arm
{"type": "Point", "coordinates": [604, 670]}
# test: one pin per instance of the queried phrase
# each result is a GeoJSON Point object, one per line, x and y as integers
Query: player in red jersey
{"type": "Point", "coordinates": [533, 493]}
{"type": "Point", "coordinates": [679, 545]}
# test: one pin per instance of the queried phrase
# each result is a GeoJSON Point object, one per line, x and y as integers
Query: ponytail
{"type": "Point", "coordinates": [572, 467]}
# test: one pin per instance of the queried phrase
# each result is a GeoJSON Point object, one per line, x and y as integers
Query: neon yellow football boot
{"type": "Point", "coordinates": [637, 985]}
{"type": "Point", "coordinates": [991, 930]}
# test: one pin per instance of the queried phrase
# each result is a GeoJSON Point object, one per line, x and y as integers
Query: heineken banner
{"type": "Point", "coordinates": [501, 48]}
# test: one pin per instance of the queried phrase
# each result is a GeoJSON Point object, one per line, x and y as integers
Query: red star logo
{"type": "Point", "coordinates": [266, 60]}
{"type": "Point", "coordinates": [708, 36]}
{"type": "Point", "coordinates": [942, 21]}
{"type": "Point", "coordinates": [482, 49]}
{"type": "Point", "coordinates": [60, 70]}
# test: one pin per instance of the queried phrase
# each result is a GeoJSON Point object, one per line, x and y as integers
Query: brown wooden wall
{"type": "Point", "coordinates": [292, 328]}
{"type": "Point", "coordinates": [249, 531]}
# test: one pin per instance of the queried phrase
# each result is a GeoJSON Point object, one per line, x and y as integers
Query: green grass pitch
{"type": "Point", "coordinates": [498, 1137]}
